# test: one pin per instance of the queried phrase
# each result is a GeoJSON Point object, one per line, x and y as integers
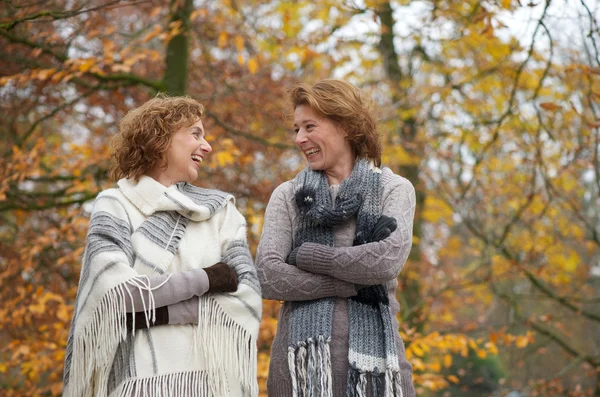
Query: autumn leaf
{"type": "Point", "coordinates": [252, 65]}
{"type": "Point", "coordinates": [549, 106]}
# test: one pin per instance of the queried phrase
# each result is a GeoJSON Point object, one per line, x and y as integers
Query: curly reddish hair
{"type": "Point", "coordinates": [145, 134]}
{"type": "Point", "coordinates": [342, 103]}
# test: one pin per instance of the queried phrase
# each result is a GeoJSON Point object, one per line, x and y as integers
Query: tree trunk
{"type": "Point", "coordinates": [176, 72]}
{"type": "Point", "coordinates": [409, 294]}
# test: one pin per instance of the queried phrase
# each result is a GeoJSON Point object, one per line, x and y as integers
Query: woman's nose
{"type": "Point", "coordinates": [206, 147]}
{"type": "Point", "coordinates": [300, 137]}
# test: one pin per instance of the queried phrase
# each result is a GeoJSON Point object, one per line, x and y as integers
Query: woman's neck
{"type": "Point", "coordinates": [341, 172]}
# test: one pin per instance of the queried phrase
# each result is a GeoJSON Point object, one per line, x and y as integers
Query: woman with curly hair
{"type": "Point", "coordinates": [168, 301]}
{"type": "Point", "coordinates": [334, 240]}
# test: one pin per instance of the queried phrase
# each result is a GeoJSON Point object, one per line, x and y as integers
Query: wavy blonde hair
{"type": "Point", "coordinates": [342, 103]}
{"type": "Point", "coordinates": [145, 134]}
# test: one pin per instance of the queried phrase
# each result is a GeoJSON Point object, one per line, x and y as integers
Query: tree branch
{"type": "Point", "coordinates": [246, 135]}
{"type": "Point", "coordinates": [56, 15]}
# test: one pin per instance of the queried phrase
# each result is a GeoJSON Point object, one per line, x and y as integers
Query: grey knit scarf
{"type": "Point", "coordinates": [373, 354]}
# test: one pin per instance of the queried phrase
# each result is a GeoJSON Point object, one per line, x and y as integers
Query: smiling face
{"type": "Point", "coordinates": [324, 144]}
{"type": "Point", "coordinates": [187, 150]}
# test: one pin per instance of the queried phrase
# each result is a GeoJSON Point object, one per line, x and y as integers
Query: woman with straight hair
{"type": "Point", "coordinates": [168, 302]}
{"type": "Point", "coordinates": [334, 240]}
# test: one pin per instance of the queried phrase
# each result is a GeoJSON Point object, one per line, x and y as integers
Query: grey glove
{"type": "Point", "coordinates": [385, 226]}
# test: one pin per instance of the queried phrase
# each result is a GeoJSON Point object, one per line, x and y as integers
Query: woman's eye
{"type": "Point", "coordinates": [310, 126]}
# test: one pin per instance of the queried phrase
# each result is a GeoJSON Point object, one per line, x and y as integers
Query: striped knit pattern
{"type": "Point", "coordinates": [101, 355]}
{"type": "Point", "coordinates": [373, 352]}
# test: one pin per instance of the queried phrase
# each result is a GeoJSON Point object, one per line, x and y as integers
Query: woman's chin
{"type": "Point", "coordinates": [315, 166]}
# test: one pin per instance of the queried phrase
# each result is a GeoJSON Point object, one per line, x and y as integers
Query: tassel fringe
{"type": "Point", "coordinates": [226, 345]}
{"type": "Point", "coordinates": [389, 386]}
{"type": "Point", "coordinates": [192, 384]}
{"type": "Point", "coordinates": [310, 368]}
{"type": "Point", "coordinates": [94, 345]}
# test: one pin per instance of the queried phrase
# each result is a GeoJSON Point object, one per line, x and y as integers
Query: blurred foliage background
{"type": "Point", "coordinates": [490, 108]}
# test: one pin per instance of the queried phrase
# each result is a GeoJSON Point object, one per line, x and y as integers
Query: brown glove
{"type": "Point", "coordinates": [162, 318]}
{"type": "Point", "coordinates": [221, 278]}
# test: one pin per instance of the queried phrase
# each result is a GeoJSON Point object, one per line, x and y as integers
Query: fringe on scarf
{"type": "Point", "coordinates": [226, 345]}
{"type": "Point", "coordinates": [95, 342]}
{"type": "Point", "coordinates": [389, 386]}
{"type": "Point", "coordinates": [310, 368]}
{"type": "Point", "coordinates": [191, 384]}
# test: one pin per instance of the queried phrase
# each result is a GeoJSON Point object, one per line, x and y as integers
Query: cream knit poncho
{"type": "Point", "coordinates": [141, 229]}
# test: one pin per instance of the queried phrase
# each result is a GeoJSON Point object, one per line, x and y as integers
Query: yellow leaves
{"type": "Point", "coordinates": [226, 155]}
{"type": "Point", "coordinates": [21, 350]}
{"type": "Point", "coordinates": [522, 341]}
{"type": "Point", "coordinates": [506, 4]}
{"type": "Point", "coordinates": [253, 65]}
{"type": "Point", "coordinates": [561, 257]}
{"type": "Point", "coordinates": [437, 210]}
{"type": "Point", "coordinates": [416, 350]}
{"type": "Point", "coordinates": [396, 154]}
{"type": "Point", "coordinates": [63, 314]}
{"type": "Point", "coordinates": [492, 348]}
{"type": "Point", "coordinates": [239, 43]}
{"type": "Point", "coordinates": [223, 38]}
{"type": "Point", "coordinates": [447, 361]}
{"type": "Point", "coordinates": [39, 307]}
{"type": "Point", "coordinates": [453, 379]}
{"type": "Point", "coordinates": [86, 65]}
{"type": "Point", "coordinates": [156, 31]}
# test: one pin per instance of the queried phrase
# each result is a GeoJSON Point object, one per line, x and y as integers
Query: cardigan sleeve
{"type": "Point", "coordinates": [372, 263]}
{"type": "Point", "coordinates": [279, 280]}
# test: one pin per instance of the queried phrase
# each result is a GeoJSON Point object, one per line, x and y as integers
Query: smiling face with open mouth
{"type": "Point", "coordinates": [323, 143]}
{"type": "Point", "coordinates": [187, 151]}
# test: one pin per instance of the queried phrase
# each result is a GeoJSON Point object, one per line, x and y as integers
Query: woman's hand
{"type": "Point", "coordinates": [385, 226]}
{"type": "Point", "coordinates": [221, 278]}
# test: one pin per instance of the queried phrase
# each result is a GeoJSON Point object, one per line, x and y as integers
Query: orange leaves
{"type": "Point", "coordinates": [550, 106]}
{"type": "Point", "coordinates": [520, 341]}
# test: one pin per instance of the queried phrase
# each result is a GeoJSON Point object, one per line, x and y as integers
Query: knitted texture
{"type": "Point", "coordinates": [372, 347]}
{"type": "Point", "coordinates": [140, 230]}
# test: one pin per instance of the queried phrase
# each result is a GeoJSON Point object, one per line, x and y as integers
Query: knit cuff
{"type": "Point", "coordinates": [315, 258]}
